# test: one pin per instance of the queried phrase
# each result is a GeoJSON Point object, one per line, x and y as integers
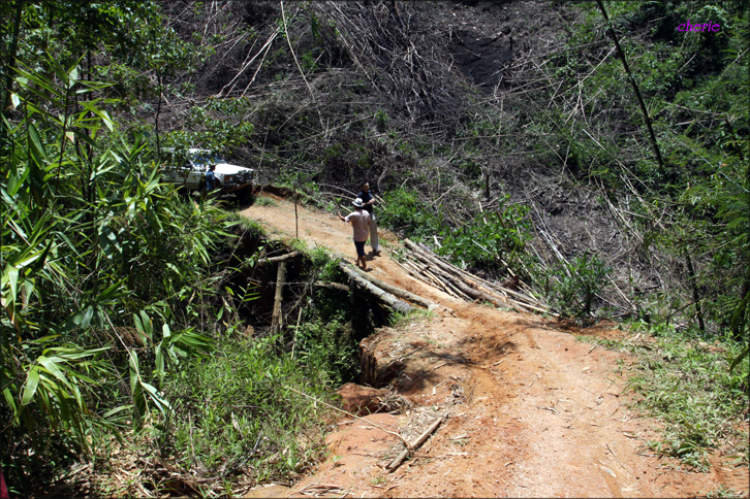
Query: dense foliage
{"type": "Point", "coordinates": [110, 278]}
{"type": "Point", "coordinates": [607, 167]}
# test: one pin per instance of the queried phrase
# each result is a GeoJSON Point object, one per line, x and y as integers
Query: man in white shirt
{"type": "Point", "coordinates": [360, 220]}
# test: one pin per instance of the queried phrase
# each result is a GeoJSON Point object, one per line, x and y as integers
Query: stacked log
{"type": "Point", "coordinates": [431, 269]}
{"type": "Point", "coordinates": [398, 292]}
{"type": "Point", "coordinates": [373, 291]}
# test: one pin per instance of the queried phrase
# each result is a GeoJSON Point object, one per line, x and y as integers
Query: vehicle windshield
{"type": "Point", "coordinates": [206, 158]}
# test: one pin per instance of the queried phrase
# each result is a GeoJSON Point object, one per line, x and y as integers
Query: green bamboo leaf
{"type": "Point", "coordinates": [102, 170]}
{"type": "Point", "coordinates": [102, 114]}
{"type": "Point", "coordinates": [77, 397]}
{"type": "Point", "coordinates": [134, 374]}
{"type": "Point", "coordinates": [66, 353]}
{"type": "Point", "coordinates": [138, 323]}
{"type": "Point", "coordinates": [159, 363]}
{"type": "Point", "coordinates": [160, 403]}
{"type": "Point", "coordinates": [86, 318]}
{"type": "Point", "coordinates": [116, 410]}
{"type": "Point", "coordinates": [139, 405]}
{"type": "Point", "coordinates": [111, 293]}
{"type": "Point", "coordinates": [197, 341]}
{"type": "Point", "coordinates": [39, 263]}
{"type": "Point", "coordinates": [28, 259]}
{"type": "Point", "coordinates": [69, 244]}
{"type": "Point", "coordinates": [15, 182]}
{"type": "Point", "coordinates": [108, 242]}
{"type": "Point", "coordinates": [10, 401]}
{"type": "Point", "coordinates": [11, 278]}
{"type": "Point", "coordinates": [72, 76]}
{"type": "Point", "coordinates": [31, 385]}
{"type": "Point", "coordinates": [51, 366]}
{"type": "Point", "coordinates": [44, 113]}
{"type": "Point", "coordinates": [85, 138]}
{"type": "Point", "coordinates": [83, 377]}
{"type": "Point", "coordinates": [41, 82]}
{"type": "Point", "coordinates": [148, 327]}
{"type": "Point", "coordinates": [17, 228]}
{"type": "Point", "coordinates": [59, 70]}
{"type": "Point", "coordinates": [36, 141]}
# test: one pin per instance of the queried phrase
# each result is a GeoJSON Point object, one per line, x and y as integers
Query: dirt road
{"type": "Point", "coordinates": [531, 412]}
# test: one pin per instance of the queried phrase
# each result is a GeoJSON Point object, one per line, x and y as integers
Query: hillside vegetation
{"type": "Point", "coordinates": [591, 148]}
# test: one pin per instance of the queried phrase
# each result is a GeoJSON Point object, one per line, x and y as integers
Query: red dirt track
{"type": "Point", "coordinates": [531, 411]}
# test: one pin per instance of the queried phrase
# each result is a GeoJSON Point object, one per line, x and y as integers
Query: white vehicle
{"type": "Point", "coordinates": [194, 165]}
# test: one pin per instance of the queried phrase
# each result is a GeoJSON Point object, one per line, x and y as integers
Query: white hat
{"type": "Point", "coordinates": [359, 203]}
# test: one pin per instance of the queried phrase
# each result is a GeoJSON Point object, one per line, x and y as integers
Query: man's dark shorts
{"type": "Point", "coordinates": [360, 248]}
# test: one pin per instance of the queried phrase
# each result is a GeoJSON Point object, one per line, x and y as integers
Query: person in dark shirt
{"type": "Point", "coordinates": [211, 178]}
{"type": "Point", "coordinates": [368, 200]}
{"type": "Point", "coordinates": [208, 182]}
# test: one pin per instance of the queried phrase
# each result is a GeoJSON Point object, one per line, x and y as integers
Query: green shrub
{"type": "Point", "coordinates": [501, 238]}
{"type": "Point", "coordinates": [577, 284]}
{"type": "Point", "coordinates": [328, 348]}
{"type": "Point", "coordinates": [406, 214]}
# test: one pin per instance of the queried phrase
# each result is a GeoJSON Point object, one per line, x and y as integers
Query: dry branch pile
{"type": "Point", "coordinates": [430, 268]}
{"type": "Point", "coordinates": [403, 59]}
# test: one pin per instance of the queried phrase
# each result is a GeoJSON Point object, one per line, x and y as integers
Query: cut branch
{"type": "Point", "coordinates": [280, 277]}
{"type": "Point", "coordinates": [414, 446]}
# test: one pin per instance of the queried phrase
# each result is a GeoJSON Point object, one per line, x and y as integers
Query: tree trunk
{"type": "Point", "coordinates": [637, 90]}
{"type": "Point", "coordinates": [10, 67]}
{"type": "Point", "coordinates": [696, 297]}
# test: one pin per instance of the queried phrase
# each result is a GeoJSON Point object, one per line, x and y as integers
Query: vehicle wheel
{"type": "Point", "coordinates": [245, 195]}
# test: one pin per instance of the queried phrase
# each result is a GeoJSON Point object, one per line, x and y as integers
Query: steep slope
{"type": "Point", "coordinates": [531, 412]}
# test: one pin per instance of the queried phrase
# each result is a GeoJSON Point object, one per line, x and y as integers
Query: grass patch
{"type": "Point", "coordinates": [686, 383]}
{"type": "Point", "coordinates": [265, 201]}
{"type": "Point", "coordinates": [399, 320]}
{"type": "Point", "coordinates": [232, 411]}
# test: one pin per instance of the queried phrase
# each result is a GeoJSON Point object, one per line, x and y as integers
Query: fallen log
{"type": "Point", "coordinates": [469, 279]}
{"type": "Point", "coordinates": [398, 292]}
{"type": "Point", "coordinates": [375, 292]}
{"type": "Point", "coordinates": [331, 285]}
{"type": "Point", "coordinates": [280, 277]}
{"type": "Point", "coordinates": [280, 258]}
{"type": "Point", "coordinates": [425, 276]}
{"type": "Point", "coordinates": [440, 284]}
{"type": "Point", "coordinates": [451, 288]}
